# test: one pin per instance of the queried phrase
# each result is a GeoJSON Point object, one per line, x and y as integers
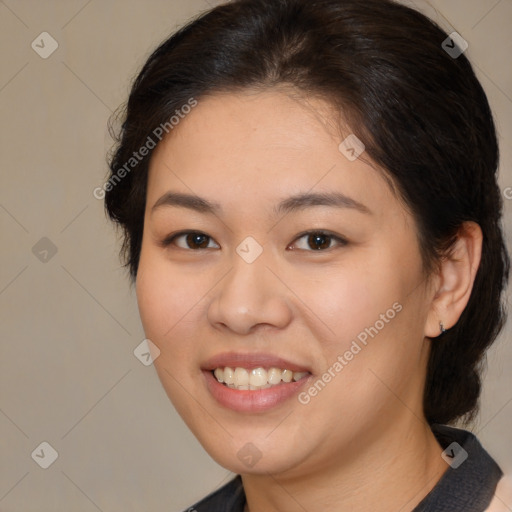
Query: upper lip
{"type": "Point", "coordinates": [250, 361]}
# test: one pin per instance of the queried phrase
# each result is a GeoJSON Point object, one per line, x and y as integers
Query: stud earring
{"type": "Point", "coordinates": [441, 328]}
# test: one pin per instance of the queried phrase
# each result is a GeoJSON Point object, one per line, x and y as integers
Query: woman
{"type": "Point", "coordinates": [307, 191]}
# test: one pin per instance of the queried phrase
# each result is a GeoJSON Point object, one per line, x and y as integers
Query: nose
{"type": "Point", "coordinates": [250, 296]}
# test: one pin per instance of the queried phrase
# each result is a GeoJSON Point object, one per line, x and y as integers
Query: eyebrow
{"type": "Point", "coordinates": [332, 199]}
{"type": "Point", "coordinates": [192, 202]}
{"type": "Point", "coordinates": [294, 203]}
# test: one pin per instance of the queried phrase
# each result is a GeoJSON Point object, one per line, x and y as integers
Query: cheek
{"type": "Point", "coordinates": [346, 299]}
{"type": "Point", "coordinates": [364, 311]}
{"type": "Point", "coordinates": [167, 304]}
{"type": "Point", "coordinates": [369, 371]}
{"type": "Point", "coordinates": [164, 296]}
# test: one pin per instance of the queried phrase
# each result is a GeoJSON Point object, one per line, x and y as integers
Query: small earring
{"type": "Point", "coordinates": [441, 328]}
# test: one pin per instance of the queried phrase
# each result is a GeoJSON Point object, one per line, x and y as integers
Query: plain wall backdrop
{"type": "Point", "coordinates": [69, 320]}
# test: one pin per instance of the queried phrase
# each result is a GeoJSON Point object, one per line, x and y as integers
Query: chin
{"type": "Point", "coordinates": [243, 456]}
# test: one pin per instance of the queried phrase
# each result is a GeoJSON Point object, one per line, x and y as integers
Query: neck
{"type": "Point", "coordinates": [394, 472]}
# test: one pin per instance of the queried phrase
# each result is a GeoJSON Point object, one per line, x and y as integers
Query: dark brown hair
{"type": "Point", "coordinates": [421, 113]}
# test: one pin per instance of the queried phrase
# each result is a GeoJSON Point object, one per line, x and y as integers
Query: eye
{"type": "Point", "coordinates": [190, 240]}
{"type": "Point", "coordinates": [317, 241]}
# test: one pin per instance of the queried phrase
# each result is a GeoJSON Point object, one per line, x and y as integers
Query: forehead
{"type": "Point", "coordinates": [259, 146]}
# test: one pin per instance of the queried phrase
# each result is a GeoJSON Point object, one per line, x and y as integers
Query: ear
{"type": "Point", "coordinates": [454, 281]}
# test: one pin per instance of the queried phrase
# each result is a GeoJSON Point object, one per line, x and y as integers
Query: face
{"type": "Point", "coordinates": [269, 256]}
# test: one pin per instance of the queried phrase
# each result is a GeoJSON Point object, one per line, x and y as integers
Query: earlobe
{"type": "Point", "coordinates": [456, 276]}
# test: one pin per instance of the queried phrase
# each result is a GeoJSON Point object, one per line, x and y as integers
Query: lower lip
{"type": "Point", "coordinates": [252, 400]}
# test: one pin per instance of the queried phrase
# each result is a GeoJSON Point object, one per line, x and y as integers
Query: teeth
{"type": "Point", "coordinates": [257, 378]}
{"type": "Point", "coordinates": [229, 376]}
{"type": "Point", "coordinates": [241, 377]}
{"type": "Point", "coordinates": [274, 376]}
{"type": "Point", "coordinates": [219, 374]}
{"type": "Point", "coordinates": [287, 376]}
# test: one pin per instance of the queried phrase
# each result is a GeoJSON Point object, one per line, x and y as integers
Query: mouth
{"type": "Point", "coordinates": [253, 382]}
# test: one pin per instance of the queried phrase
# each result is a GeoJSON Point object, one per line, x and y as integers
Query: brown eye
{"type": "Point", "coordinates": [190, 240]}
{"type": "Point", "coordinates": [197, 241]}
{"type": "Point", "coordinates": [318, 241]}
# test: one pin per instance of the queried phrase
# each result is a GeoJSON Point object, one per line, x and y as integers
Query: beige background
{"type": "Point", "coordinates": [69, 325]}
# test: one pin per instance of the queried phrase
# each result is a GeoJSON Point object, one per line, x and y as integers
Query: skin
{"type": "Point", "coordinates": [362, 443]}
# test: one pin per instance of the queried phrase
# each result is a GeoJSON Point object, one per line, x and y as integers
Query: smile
{"type": "Point", "coordinates": [253, 382]}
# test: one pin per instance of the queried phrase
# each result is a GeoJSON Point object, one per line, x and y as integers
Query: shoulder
{"type": "Point", "coordinates": [462, 448]}
{"type": "Point", "coordinates": [229, 498]}
{"type": "Point", "coordinates": [470, 482]}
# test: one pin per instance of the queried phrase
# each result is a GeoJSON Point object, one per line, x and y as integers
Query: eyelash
{"type": "Point", "coordinates": [340, 240]}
